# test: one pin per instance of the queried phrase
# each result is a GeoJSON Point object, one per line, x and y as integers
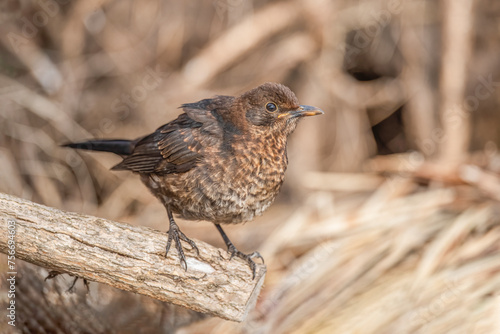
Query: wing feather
{"type": "Point", "coordinates": [178, 146]}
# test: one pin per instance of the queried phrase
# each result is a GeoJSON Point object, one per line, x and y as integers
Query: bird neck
{"type": "Point", "coordinates": [267, 144]}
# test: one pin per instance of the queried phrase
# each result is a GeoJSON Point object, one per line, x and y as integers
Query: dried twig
{"type": "Point", "coordinates": [457, 40]}
{"type": "Point", "coordinates": [420, 89]}
{"type": "Point", "coordinates": [237, 41]}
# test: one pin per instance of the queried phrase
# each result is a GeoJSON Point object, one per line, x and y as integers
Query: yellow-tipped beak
{"type": "Point", "coordinates": [302, 111]}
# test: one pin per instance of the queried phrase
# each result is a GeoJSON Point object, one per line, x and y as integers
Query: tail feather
{"type": "Point", "coordinates": [117, 146]}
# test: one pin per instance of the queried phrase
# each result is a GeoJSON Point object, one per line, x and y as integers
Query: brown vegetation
{"type": "Point", "coordinates": [388, 222]}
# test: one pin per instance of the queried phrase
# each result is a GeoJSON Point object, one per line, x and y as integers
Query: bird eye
{"type": "Point", "coordinates": [271, 107]}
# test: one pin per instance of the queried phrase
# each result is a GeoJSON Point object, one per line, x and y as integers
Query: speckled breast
{"type": "Point", "coordinates": [233, 188]}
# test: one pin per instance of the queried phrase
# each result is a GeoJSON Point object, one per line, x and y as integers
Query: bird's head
{"type": "Point", "coordinates": [273, 107]}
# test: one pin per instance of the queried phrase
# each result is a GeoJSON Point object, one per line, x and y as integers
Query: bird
{"type": "Point", "coordinates": [222, 160]}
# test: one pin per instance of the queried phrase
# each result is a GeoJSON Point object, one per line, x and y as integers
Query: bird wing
{"type": "Point", "coordinates": [178, 146]}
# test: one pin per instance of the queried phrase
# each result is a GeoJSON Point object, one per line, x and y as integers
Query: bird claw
{"type": "Point", "coordinates": [175, 234]}
{"type": "Point", "coordinates": [246, 257]}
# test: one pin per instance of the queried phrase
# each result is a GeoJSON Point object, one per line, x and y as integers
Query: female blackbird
{"type": "Point", "coordinates": [222, 160]}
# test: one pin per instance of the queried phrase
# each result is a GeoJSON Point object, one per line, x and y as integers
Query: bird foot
{"type": "Point", "coordinates": [176, 235]}
{"type": "Point", "coordinates": [246, 257]}
{"type": "Point", "coordinates": [54, 273]}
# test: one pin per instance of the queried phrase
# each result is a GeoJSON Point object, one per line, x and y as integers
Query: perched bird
{"type": "Point", "coordinates": [222, 160]}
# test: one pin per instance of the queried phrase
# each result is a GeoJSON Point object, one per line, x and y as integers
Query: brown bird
{"type": "Point", "coordinates": [222, 160]}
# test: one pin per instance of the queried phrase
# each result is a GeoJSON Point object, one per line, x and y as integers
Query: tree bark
{"type": "Point", "coordinates": [131, 258]}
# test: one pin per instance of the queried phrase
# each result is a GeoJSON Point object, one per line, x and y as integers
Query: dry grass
{"type": "Point", "coordinates": [407, 259]}
{"type": "Point", "coordinates": [388, 222]}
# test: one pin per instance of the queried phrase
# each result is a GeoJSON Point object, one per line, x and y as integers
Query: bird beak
{"type": "Point", "coordinates": [302, 111]}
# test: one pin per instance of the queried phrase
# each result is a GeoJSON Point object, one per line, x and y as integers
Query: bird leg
{"type": "Point", "coordinates": [234, 252]}
{"type": "Point", "coordinates": [175, 234]}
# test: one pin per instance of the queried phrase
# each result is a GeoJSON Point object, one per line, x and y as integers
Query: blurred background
{"type": "Point", "coordinates": [388, 219]}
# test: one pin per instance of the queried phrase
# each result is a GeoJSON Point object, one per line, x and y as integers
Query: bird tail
{"type": "Point", "coordinates": [117, 146]}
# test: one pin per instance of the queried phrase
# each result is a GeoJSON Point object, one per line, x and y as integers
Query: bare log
{"type": "Point", "coordinates": [131, 258]}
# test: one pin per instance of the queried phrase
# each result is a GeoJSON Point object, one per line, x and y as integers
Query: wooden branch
{"type": "Point", "coordinates": [130, 258]}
